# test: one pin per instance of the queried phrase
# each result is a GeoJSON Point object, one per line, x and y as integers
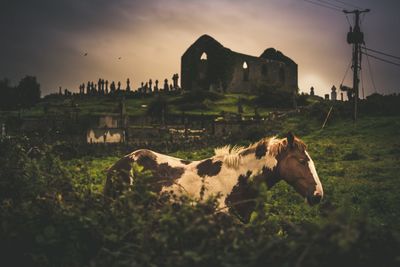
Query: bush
{"type": "Point", "coordinates": [158, 107]}
{"type": "Point", "coordinates": [271, 97]}
{"type": "Point", "coordinates": [196, 99]}
{"type": "Point", "coordinates": [381, 104]}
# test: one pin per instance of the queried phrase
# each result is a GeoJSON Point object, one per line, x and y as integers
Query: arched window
{"type": "Point", "coordinates": [264, 70]}
{"type": "Point", "coordinates": [282, 75]}
{"type": "Point", "coordinates": [245, 71]}
{"type": "Point", "coordinates": [203, 67]}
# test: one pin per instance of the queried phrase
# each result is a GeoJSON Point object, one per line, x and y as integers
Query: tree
{"type": "Point", "coordinates": [28, 91]}
{"type": "Point", "coordinates": [8, 95]}
{"type": "Point", "coordinates": [158, 108]}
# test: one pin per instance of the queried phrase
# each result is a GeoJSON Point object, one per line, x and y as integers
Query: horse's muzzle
{"type": "Point", "coordinates": [314, 199]}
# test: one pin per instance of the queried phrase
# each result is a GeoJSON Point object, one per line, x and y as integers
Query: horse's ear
{"type": "Point", "coordinates": [290, 139]}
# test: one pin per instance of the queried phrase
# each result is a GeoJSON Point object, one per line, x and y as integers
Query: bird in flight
{"type": "Point", "coordinates": [120, 58]}
{"type": "Point", "coordinates": [85, 54]}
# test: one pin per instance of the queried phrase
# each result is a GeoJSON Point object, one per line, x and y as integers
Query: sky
{"type": "Point", "coordinates": [48, 39]}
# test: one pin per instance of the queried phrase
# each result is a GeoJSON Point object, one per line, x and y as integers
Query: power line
{"type": "Point", "coordinates": [381, 59]}
{"type": "Point", "coordinates": [347, 4]}
{"type": "Point", "coordinates": [370, 73]}
{"type": "Point", "coordinates": [345, 74]}
{"type": "Point", "coordinates": [362, 82]}
{"type": "Point", "coordinates": [322, 5]}
{"type": "Point", "coordinates": [330, 4]}
{"type": "Point", "coordinates": [362, 18]}
{"type": "Point", "coordinates": [379, 52]}
{"type": "Point", "coordinates": [348, 20]}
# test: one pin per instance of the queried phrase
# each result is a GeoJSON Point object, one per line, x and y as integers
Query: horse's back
{"type": "Point", "coordinates": [165, 168]}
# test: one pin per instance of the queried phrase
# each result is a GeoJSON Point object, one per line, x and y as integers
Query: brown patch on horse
{"type": "Point", "coordinates": [277, 146]}
{"type": "Point", "coordinates": [165, 175]}
{"type": "Point", "coordinates": [270, 176]}
{"type": "Point", "coordinates": [186, 162]}
{"type": "Point", "coordinates": [208, 167]}
{"type": "Point", "coordinates": [118, 175]}
{"type": "Point", "coordinates": [147, 159]}
{"type": "Point", "coordinates": [261, 150]}
{"type": "Point", "coordinates": [273, 146]}
{"type": "Point", "coordinates": [165, 171]}
{"type": "Point", "coordinates": [241, 201]}
{"type": "Point", "coordinates": [247, 151]}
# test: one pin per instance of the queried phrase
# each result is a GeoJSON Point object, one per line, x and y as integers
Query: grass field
{"type": "Point", "coordinates": [359, 165]}
{"type": "Point", "coordinates": [100, 105]}
{"type": "Point", "coordinates": [53, 213]}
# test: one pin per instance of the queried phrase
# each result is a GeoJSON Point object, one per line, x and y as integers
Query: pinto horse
{"type": "Point", "coordinates": [229, 173]}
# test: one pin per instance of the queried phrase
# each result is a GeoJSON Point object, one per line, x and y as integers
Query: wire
{"type": "Point", "coordinates": [362, 82]}
{"type": "Point", "coordinates": [345, 74]}
{"type": "Point", "coordinates": [362, 19]}
{"type": "Point", "coordinates": [330, 4]}
{"type": "Point", "coordinates": [322, 5]}
{"type": "Point", "coordinates": [370, 72]}
{"type": "Point", "coordinates": [382, 53]}
{"type": "Point", "coordinates": [347, 4]}
{"type": "Point", "coordinates": [348, 20]}
{"type": "Point", "coordinates": [381, 59]}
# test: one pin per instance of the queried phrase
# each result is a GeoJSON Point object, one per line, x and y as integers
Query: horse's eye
{"type": "Point", "coordinates": [303, 161]}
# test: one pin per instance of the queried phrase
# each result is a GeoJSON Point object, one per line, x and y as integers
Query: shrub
{"type": "Point", "coordinates": [273, 97]}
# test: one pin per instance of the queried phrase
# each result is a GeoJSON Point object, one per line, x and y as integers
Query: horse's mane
{"type": "Point", "coordinates": [274, 146]}
{"type": "Point", "coordinates": [231, 155]}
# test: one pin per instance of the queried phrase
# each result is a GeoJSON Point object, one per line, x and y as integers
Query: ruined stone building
{"type": "Point", "coordinates": [208, 65]}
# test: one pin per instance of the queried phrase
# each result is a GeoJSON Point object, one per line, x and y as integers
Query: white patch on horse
{"type": "Point", "coordinates": [273, 149]}
{"type": "Point", "coordinates": [319, 190]}
{"type": "Point", "coordinates": [172, 161]}
{"type": "Point", "coordinates": [270, 162]}
{"type": "Point", "coordinates": [230, 156]}
{"type": "Point", "coordinates": [191, 183]}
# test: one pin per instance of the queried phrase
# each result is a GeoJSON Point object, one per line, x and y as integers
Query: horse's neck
{"type": "Point", "coordinates": [249, 164]}
{"type": "Point", "coordinates": [262, 170]}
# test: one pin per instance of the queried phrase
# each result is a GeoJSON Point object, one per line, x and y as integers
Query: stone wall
{"type": "Point", "coordinates": [207, 65]}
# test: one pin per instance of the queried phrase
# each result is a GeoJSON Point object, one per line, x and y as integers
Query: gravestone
{"type": "Point", "coordinates": [166, 87]}
{"type": "Point", "coordinates": [156, 86]}
{"type": "Point", "coordinates": [333, 93]}
{"type": "Point", "coordinates": [128, 86]}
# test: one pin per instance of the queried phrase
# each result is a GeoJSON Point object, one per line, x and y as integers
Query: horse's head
{"type": "Point", "coordinates": [296, 167]}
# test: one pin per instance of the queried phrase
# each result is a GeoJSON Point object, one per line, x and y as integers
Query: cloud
{"type": "Point", "coordinates": [47, 38]}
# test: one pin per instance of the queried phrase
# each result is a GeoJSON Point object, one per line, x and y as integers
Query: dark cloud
{"type": "Point", "coordinates": [47, 38]}
{"type": "Point", "coordinates": [39, 37]}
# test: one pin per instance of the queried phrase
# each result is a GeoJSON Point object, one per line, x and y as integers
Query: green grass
{"type": "Point", "coordinates": [97, 105]}
{"type": "Point", "coordinates": [53, 213]}
{"type": "Point", "coordinates": [358, 165]}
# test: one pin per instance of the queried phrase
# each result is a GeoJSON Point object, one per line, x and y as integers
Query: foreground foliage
{"type": "Point", "coordinates": [53, 213]}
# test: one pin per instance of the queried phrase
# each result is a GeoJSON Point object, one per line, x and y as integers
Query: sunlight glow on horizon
{"type": "Point", "coordinates": [150, 38]}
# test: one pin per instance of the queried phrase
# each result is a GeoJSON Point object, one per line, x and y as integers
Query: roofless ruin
{"type": "Point", "coordinates": [208, 65]}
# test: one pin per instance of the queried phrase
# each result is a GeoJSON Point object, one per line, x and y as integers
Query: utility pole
{"type": "Point", "coordinates": [356, 38]}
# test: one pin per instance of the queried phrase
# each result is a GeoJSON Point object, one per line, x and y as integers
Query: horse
{"type": "Point", "coordinates": [228, 174]}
